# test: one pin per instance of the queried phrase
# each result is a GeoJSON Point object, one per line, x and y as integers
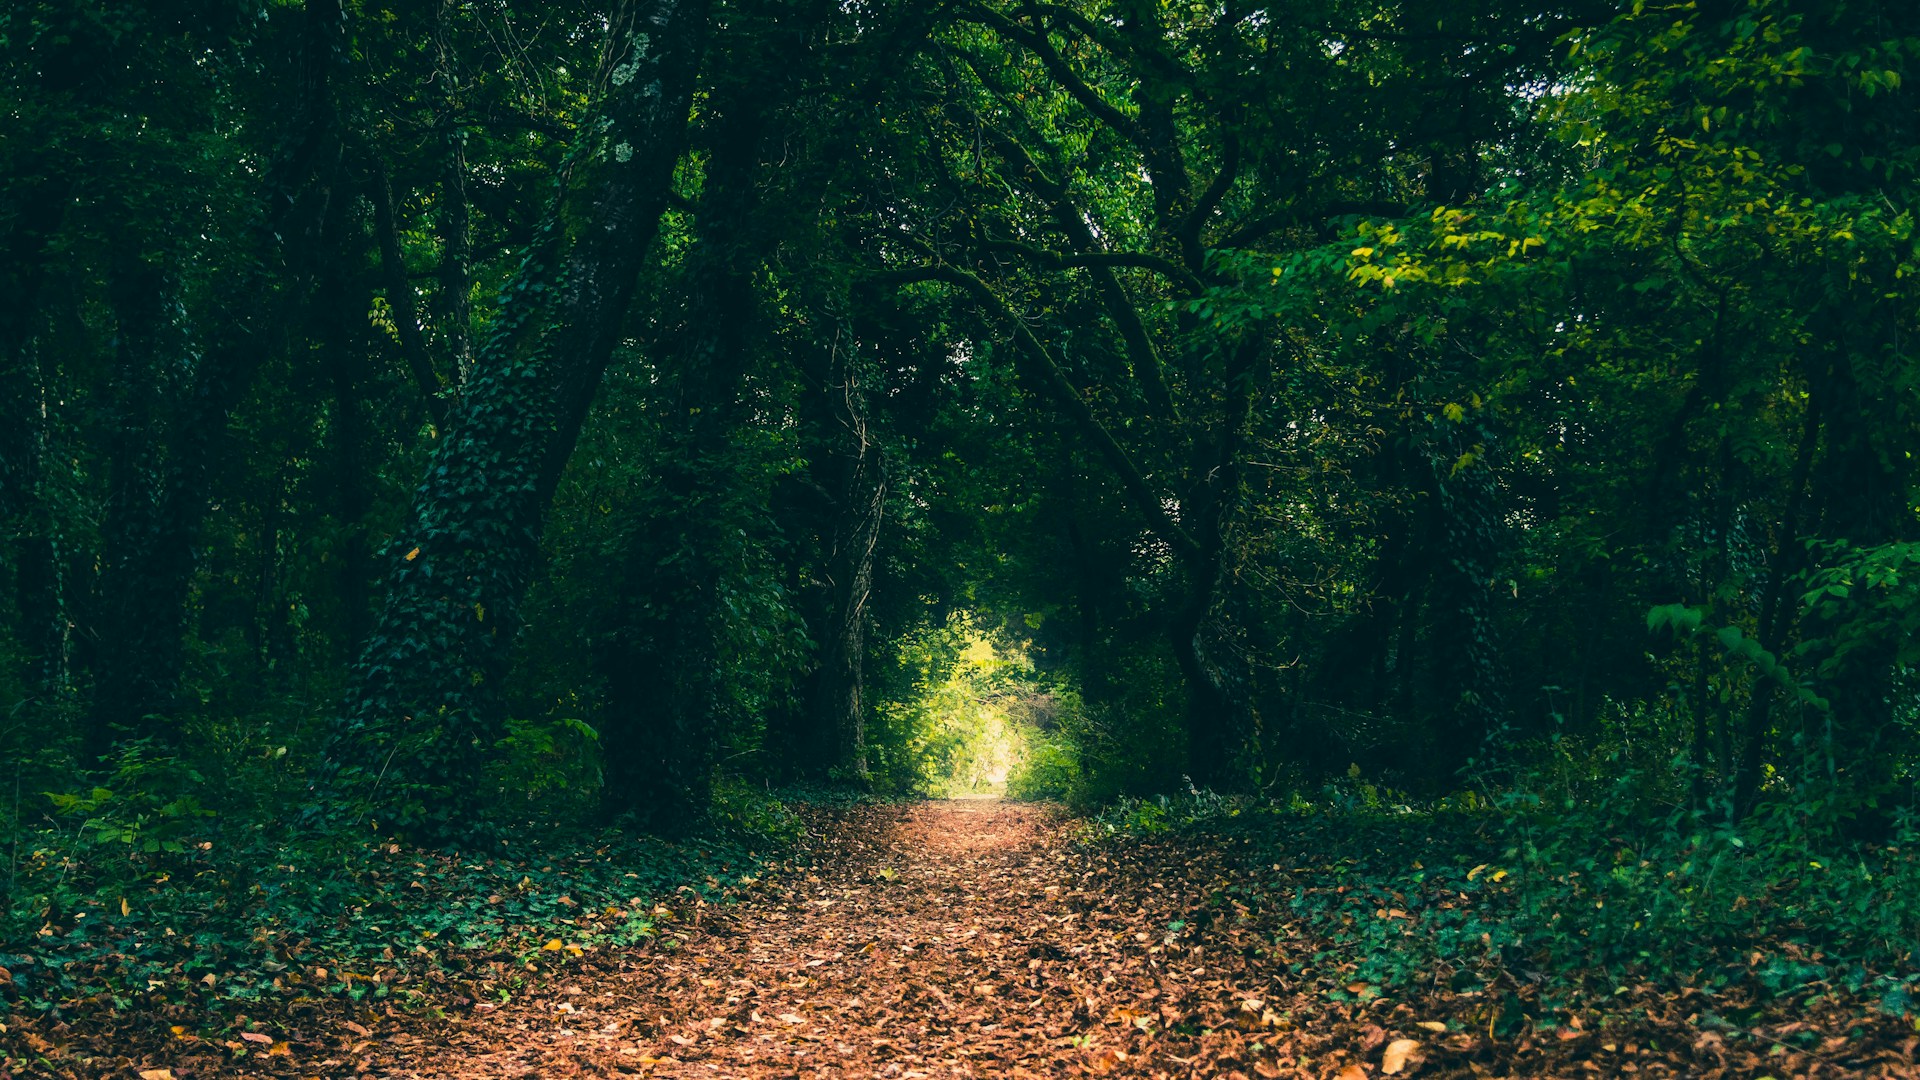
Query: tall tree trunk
{"type": "Point", "coordinates": [339, 297]}
{"type": "Point", "coordinates": [29, 543]}
{"type": "Point", "coordinates": [1864, 485]}
{"type": "Point", "coordinates": [456, 229]}
{"type": "Point", "coordinates": [1219, 705]}
{"type": "Point", "coordinates": [162, 457]}
{"type": "Point", "coordinates": [1470, 685]}
{"type": "Point", "coordinates": [1788, 557]}
{"type": "Point", "coordinates": [853, 469]}
{"type": "Point", "coordinates": [667, 705]}
{"type": "Point", "coordinates": [406, 314]}
{"type": "Point", "coordinates": [426, 709]}
{"type": "Point", "coordinates": [140, 619]}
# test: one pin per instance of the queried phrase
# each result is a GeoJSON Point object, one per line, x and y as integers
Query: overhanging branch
{"type": "Point", "coordinates": [1068, 396]}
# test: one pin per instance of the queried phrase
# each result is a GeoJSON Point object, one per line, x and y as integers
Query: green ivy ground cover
{"type": "Point", "coordinates": [1580, 908]}
{"type": "Point", "coordinates": [218, 932]}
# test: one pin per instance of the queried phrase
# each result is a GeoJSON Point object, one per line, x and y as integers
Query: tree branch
{"type": "Point", "coordinates": [1196, 222]}
{"type": "Point", "coordinates": [1137, 260]}
{"type": "Point", "coordinates": [1036, 43]}
{"type": "Point", "coordinates": [406, 316]}
{"type": "Point", "coordinates": [1068, 396]}
{"type": "Point", "coordinates": [1266, 224]}
{"type": "Point", "coordinates": [1146, 359]}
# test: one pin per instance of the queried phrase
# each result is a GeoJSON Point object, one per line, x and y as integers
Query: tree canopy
{"type": "Point", "coordinates": [1391, 384]}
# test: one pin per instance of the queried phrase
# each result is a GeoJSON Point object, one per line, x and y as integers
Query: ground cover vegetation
{"type": "Point", "coordinates": [467, 471]}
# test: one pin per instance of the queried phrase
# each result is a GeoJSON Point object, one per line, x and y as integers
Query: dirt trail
{"type": "Point", "coordinates": [945, 939]}
{"type": "Point", "coordinates": [974, 939]}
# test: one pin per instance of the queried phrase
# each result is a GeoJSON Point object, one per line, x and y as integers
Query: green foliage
{"type": "Point", "coordinates": [135, 818]}
{"type": "Point", "coordinates": [1050, 769]}
{"type": "Point", "coordinates": [413, 422]}
{"type": "Point", "coordinates": [1863, 596]}
{"type": "Point", "coordinates": [755, 816]}
{"type": "Point", "coordinates": [548, 766]}
{"type": "Point", "coordinates": [231, 921]}
{"type": "Point", "coordinates": [975, 717]}
{"type": "Point", "coordinates": [1586, 897]}
{"type": "Point", "coordinates": [1148, 816]}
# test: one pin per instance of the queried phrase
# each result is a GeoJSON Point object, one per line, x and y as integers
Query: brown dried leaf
{"type": "Point", "coordinates": [1400, 1053]}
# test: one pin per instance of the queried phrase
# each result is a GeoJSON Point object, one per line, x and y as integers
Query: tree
{"type": "Point", "coordinates": [425, 708]}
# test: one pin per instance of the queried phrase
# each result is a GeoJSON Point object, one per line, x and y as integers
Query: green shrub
{"type": "Point", "coordinates": [1050, 768]}
{"type": "Point", "coordinates": [754, 815]}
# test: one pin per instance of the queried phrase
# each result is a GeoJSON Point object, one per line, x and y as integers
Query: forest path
{"type": "Point", "coordinates": [966, 938]}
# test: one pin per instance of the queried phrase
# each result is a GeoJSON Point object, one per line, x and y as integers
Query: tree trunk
{"type": "Point", "coordinates": [173, 427]}
{"type": "Point", "coordinates": [833, 515]}
{"type": "Point", "coordinates": [1219, 708]}
{"type": "Point", "coordinates": [28, 540]}
{"type": "Point", "coordinates": [425, 709]}
{"type": "Point", "coordinates": [665, 696]}
{"type": "Point", "coordinates": [1470, 688]}
{"type": "Point", "coordinates": [145, 553]}
{"type": "Point", "coordinates": [454, 221]}
{"type": "Point", "coordinates": [1788, 556]}
{"type": "Point", "coordinates": [1865, 497]}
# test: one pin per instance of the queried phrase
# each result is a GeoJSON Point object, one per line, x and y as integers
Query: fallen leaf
{"type": "Point", "coordinates": [1399, 1053]}
{"type": "Point", "coordinates": [156, 1074]}
{"type": "Point", "coordinates": [1432, 1025]}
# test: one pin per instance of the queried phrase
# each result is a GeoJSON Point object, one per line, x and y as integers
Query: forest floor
{"type": "Point", "coordinates": [977, 938]}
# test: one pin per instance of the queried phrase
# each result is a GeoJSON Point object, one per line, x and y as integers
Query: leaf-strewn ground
{"type": "Point", "coordinates": [980, 939]}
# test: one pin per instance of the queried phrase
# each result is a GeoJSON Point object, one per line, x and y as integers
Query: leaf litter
{"type": "Point", "coordinates": [982, 939]}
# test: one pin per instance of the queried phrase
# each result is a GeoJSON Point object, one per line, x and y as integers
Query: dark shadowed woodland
{"type": "Point", "coordinates": [988, 538]}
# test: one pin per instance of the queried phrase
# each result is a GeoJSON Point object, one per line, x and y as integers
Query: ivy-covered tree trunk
{"type": "Point", "coordinates": [425, 709]}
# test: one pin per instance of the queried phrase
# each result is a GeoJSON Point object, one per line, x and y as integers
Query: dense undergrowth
{"type": "Point", "coordinates": [123, 905]}
{"type": "Point", "coordinates": [1587, 903]}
